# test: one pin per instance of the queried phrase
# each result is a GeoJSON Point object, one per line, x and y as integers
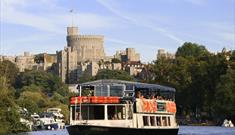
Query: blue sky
{"type": "Point", "coordinates": [147, 25]}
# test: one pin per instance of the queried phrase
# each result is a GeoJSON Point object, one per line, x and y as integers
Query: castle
{"type": "Point", "coordinates": [85, 54]}
{"type": "Point", "coordinates": [80, 49]}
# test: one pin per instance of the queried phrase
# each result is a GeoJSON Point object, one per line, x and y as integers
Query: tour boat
{"type": "Point", "coordinates": [115, 107]}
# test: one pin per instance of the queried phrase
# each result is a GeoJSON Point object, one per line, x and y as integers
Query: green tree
{"type": "Point", "coordinates": [113, 74]}
{"type": "Point", "coordinates": [191, 50]}
{"type": "Point", "coordinates": [225, 96]}
{"type": "Point", "coordinates": [9, 115]}
{"type": "Point", "coordinates": [9, 70]}
{"type": "Point", "coordinates": [47, 82]}
{"type": "Point", "coordinates": [33, 101]}
{"type": "Point", "coordinates": [115, 60]}
{"type": "Point", "coordinates": [86, 78]}
{"type": "Point", "coordinates": [232, 55]}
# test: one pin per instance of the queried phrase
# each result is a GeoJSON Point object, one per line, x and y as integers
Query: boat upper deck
{"type": "Point", "coordinates": [120, 88]}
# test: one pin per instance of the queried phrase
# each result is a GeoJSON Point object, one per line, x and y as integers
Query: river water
{"type": "Point", "coordinates": [184, 130]}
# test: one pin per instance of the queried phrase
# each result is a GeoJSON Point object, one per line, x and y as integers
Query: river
{"type": "Point", "coordinates": [184, 130]}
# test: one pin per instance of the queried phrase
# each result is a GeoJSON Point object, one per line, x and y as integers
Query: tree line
{"type": "Point", "coordinates": [32, 90]}
{"type": "Point", "coordinates": [204, 81]}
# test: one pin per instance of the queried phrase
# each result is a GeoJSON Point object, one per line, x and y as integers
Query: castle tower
{"type": "Point", "coordinates": [72, 37]}
{"type": "Point", "coordinates": [89, 47]}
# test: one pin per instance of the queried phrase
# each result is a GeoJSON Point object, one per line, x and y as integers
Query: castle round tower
{"type": "Point", "coordinates": [89, 47]}
{"type": "Point", "coordinates": [72, 36]}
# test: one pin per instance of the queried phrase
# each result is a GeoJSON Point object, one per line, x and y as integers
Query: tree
{"type": "Point", "coordinates": [232, 55]}
{"type": "Point", "coordinates": [224, 101]}
{"type": "Point", "coordinates": [9, 70]}
{"type": "Point", "coordinates": [113, 74]}
{"type": "Point", "coordinates": [46, 81]}
{"type": "Point", "coordinates": [39, 90]}
{"type": "Point", "coordinates": [191, 50]}
{"type": "Point", "coordinates": [115, 60]}
{"type": "Point", "coordinates": [9, 115]}
{"type": "Point", "coordinates": [33, 101]}
{"type": "Point", "coordinates": [86, 78]}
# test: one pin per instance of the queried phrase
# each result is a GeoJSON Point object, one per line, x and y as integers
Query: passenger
{"type": "Point", "coordinates": [119, 115]}
{"type": "Point", "coordinates": [158, 123]}
{"type": "Point", "coordinates": [138, 94]}
{"type": "Point", "coordinates": [142, 97]}
{"type": "Point", "coordinates": [152, 96]}
{"type": "Point", "coordinates": [77, 115]}
{"type": "Point", "coordinates": [114, 117]}
{"type": "Point", "coordinates": [160, 98]}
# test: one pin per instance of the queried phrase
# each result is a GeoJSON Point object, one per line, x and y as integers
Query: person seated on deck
{"type": "Point", "coordinates": [152, 96]}
{"type": "Point", "coordinates": [138, 94]}
{"type": "Point", "coordinates": [159, 98]}
{"type": "Point", "coordinates": [114, 117]}
{"type": "Point", "coordinates": [77, 116]}
{"type": "Point", "coordinates": [119, 116]}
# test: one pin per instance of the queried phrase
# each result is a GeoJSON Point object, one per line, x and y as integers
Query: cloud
{"type": "Point", "coordinates": [139, 22]}
{"type": "Point", "coordinates": [197, 2]}
{"type": "Point", "coordinates": [18, 12]}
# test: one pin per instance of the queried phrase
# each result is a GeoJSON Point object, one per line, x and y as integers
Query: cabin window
{"type": "Point", "coordinates": [116, 91]}
{"type": "Point", "coordinates": [93, 112]}
{"type": "Point", "coordinates": [146, 120]}
{"type": "Point", "coordinates": [116, 112]}
{"type": "Point", "coordinates": [158, 120]}
{"type": "Point", "coordinates": [129, 87]}
{"type": "Point", "coordinates": [129, 93]}
{"type": "Point", "coordinates": [169, 121]}
{"type": "Point", "coordinates": [87, 91]}
{"type": "Point", "coordinates": [152, 121]}
{"type": "Point", "coordinates": [164, 121]}
{"type": "Point", "coordinates": [75, 114]}
{"type": "Point", "coordinates": [101, 90]}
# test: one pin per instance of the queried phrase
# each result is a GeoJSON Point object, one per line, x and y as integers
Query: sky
{"type": "Point", "coordinates": [39, 26]}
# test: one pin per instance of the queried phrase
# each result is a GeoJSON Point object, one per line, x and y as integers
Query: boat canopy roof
{"type": "Point", "coordinates": [136, 85]}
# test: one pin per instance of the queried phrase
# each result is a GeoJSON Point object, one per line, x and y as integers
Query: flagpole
{"type": "Point", "coordinates": [72, 17]}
